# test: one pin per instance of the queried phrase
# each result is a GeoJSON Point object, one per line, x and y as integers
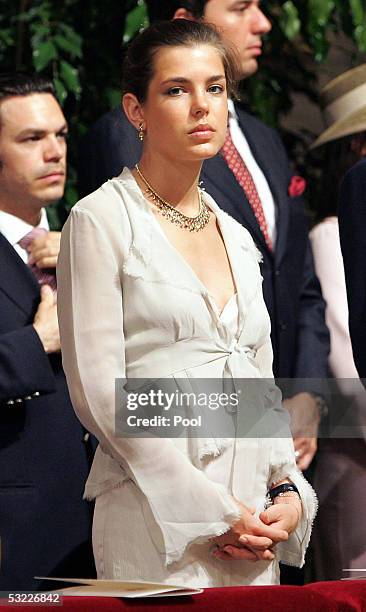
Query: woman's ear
{"type": "Point", "coordinates": [133, 110]}
{"type": "Point", "coordinates": [183, 13]}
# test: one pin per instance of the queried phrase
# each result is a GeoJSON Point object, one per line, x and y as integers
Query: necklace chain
{"type": "Point", "coordinates": [192, 224]}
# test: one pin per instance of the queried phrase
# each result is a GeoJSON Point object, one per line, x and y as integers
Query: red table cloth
{"type": "Point", "coordinates": [345, 596]}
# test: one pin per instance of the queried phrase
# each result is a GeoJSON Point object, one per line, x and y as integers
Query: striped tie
{"type": "Point", "coordinates": [44, 276]}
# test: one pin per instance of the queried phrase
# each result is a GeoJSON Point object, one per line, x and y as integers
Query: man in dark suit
{"type": "Point", "coordinates": [352, 230]}
{"type": "Point", "coordinates": [44, 455]}
{"type": "Point", "coordinates": [291, 290]}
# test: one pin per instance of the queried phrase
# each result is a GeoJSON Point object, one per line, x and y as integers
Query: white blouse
{"type": "Point", "coordinates": [131, 307]}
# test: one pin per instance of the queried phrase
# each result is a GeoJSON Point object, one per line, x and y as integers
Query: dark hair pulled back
{"type": "Point", "coordinates": [138, 67]}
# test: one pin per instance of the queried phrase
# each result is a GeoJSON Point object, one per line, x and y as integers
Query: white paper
{"type": "Point", "coordinates": [91, 587]}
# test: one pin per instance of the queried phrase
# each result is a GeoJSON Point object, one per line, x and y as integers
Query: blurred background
{"type": "Point", "coordinates": [80, 43]}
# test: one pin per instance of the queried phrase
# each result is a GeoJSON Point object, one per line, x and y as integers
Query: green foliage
{"type": "Point", "coordinates": [301, 33]}
{"type": "Point", "coordinates": [80, 46]}
{"type": "Point", "coordinates": [136, 20]}
{"type": "Point", "coordinates": [289, 21]}
{"type": "Point", "coordinates": [358, 12]}
{"type": "Point", "coordinates": [54, 45]}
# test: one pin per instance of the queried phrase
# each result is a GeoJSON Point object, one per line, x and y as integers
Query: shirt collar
{"type": "Point", "coordinates": [231, 109]}
{"type": "Point", "coordinates": [14, 229]}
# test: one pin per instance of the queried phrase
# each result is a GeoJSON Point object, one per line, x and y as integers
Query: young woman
{"type": "Point", "coordinates": [156, 282]}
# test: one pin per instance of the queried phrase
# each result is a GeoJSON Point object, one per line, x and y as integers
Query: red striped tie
{"type": "Point", "coordinates": [44, 276]}
{"type": "Point", "coordinates": [240, 170]}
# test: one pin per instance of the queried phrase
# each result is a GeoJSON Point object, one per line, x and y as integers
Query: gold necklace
{"type": "Point", "coordinates": [192, 224]}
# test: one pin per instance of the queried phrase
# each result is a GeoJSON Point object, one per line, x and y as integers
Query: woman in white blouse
{"type": "Point", "coordinates": [142, 297]}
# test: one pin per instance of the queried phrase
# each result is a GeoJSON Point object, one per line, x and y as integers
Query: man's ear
{"type": "Point", "coordinates": [183, 13]}
{"type": "Point", "coordinates": [133, 110]}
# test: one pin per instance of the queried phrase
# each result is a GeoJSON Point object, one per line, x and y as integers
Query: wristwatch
{"type": "Point", "coordinates": [281, 489]}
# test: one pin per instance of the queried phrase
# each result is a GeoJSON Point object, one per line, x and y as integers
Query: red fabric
{"type": "Point", "coordinates": [347, 596]}
{"type": "Point", "coordinates": [297, 186]}
{"type": "Point", "coordinates": [239, 169]}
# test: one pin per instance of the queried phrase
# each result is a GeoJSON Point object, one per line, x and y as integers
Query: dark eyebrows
{"type": "Point", "coordinates": [216, 77]}
{"type": "Point", "coordinates": [182, 80]}
{"type": "Point", "coordinates": [31, 132]}
{"type": "Point", "coordinates": [175, 80]}
{"type": "Point", "coordinates": [241, 3]}
{"type": "Point", "coordinates": [36, 132]}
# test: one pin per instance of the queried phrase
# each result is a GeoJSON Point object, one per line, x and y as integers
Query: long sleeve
{"type": "Point", "coordinates": [284, 466]}
{"type": "Point", "coordinates": [24, 366]}
{"type": "Point", "coordinates": [282, 461]}
{"type": "Point", "coordinates": [313, 335]}
{"type": "Point", "coordinates": [330, 271]}
{"type": "Point", "coordinates": [264, 358]}
{"type": "Point", "coordinates": [186, 505]}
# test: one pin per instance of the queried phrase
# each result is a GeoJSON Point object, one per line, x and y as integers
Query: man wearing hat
{"type": "Point", "coordinates": [339, 540]}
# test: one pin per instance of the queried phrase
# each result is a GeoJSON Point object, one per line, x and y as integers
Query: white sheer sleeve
{"type": "Point", "coordinates": [186, 505]}
{"type": "Point", "coordinates": [284, 466]}
{"type": "Point", "coordinates": [282, 459]}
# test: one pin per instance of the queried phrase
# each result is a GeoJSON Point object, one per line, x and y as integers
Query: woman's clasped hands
{"type": "Point", "coordinates": [253, 538]}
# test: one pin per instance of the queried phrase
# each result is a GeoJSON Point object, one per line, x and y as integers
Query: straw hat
{"type": "Point", "coordinates": [343, 101]}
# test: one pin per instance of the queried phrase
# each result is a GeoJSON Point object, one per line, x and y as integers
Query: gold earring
{"type": "Point", "coordinates": [141, 132]}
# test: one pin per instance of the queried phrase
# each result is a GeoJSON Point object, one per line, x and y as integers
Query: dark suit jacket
{"type": "Point", "coordinates": [44, 523]}
{"type": "Point", "coordinates": [352, 229]}
{"type": "Point", "coordinates": [291, 290]}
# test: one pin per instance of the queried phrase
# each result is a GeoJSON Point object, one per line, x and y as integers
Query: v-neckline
{"type": "Point", "coordinates": [233, 298]}
{"type": "Point", "coordinates": [192, 271]}
{"type": "Point", "coordinates": [181, 257]}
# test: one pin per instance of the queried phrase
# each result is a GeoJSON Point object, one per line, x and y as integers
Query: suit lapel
{"type": "Point", "coordinates": [268, 162]}
{"type": "Point", "coordinates": [16, 279]}
{"type": "Point", "coordinates": [215, 171]}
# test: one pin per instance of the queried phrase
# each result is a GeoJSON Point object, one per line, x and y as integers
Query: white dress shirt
{"type": "Point", "coordinates": [14, 229]}
{"type": "Point", "coordinates": [259, 179]}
